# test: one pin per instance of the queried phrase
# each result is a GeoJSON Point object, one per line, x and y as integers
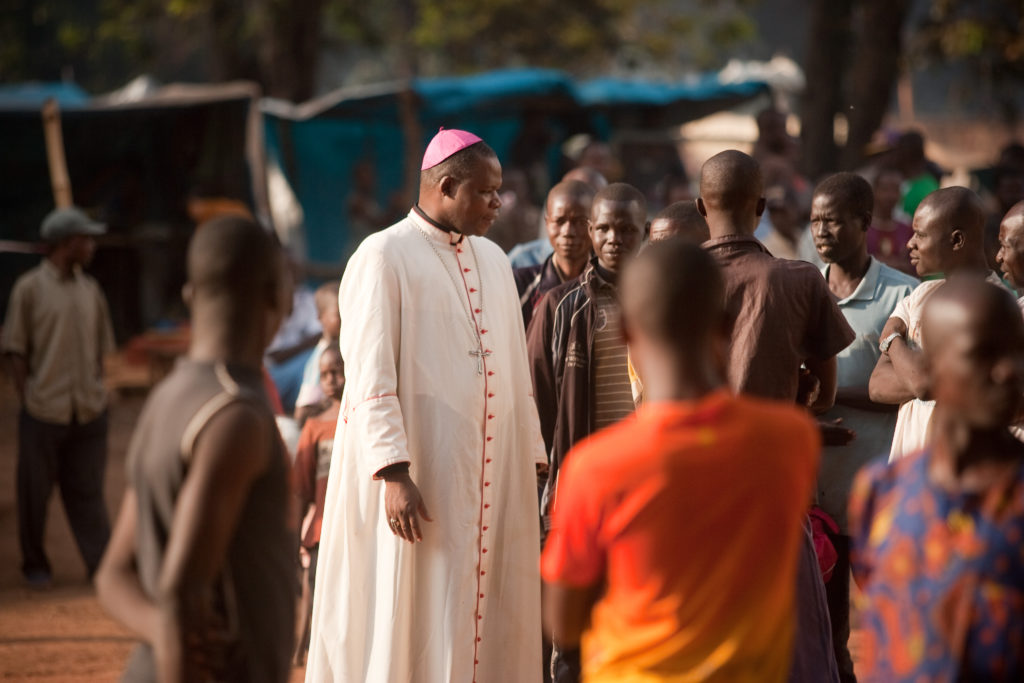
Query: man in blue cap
{"type": "Point", "coordinates": [55, 335]}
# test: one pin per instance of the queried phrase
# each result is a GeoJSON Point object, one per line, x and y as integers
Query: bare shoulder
{"type": "Point", "coordinates": [239, 435]}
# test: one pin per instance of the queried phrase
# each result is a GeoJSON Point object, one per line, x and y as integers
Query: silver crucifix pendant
{"type": "Point", "coordinates": [480, 354]}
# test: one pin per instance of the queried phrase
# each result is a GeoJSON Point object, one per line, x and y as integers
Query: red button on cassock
{"type": "Point", "coordinates": [490, 438]}
{"type": "Point", "coordinates": [488, 460]}
{"type": "Point", "coordinates": [465, 270]}
{"type": "Point", "coordinates": [490, 373]}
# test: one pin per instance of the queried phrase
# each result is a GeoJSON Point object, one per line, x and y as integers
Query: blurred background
{"type": "Point", "coordinates": [312, 114]}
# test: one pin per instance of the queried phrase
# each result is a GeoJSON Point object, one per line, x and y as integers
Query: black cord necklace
{"type": "Point", "coordinates": [440, 226]}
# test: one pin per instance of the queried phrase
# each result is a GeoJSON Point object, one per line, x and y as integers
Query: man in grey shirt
{"type": "Point", "coordinates": [866, 291]}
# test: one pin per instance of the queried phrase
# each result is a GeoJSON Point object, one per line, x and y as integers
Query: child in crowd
{"type": "Point", "coordinates": [309, 478]}
{"type": "Point", "coordinates": [311, 398]}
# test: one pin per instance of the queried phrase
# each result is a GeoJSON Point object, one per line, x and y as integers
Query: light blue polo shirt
{"type": "Point", "coordinates": [866, 310]}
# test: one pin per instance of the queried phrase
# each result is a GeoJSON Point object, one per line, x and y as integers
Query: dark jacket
{"type": "Point", "coordinates": [533, 282]}
{"type": "Point", "coordinates": [560, 342]}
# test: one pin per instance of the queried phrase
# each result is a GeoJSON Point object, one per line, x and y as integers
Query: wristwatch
{"type": "Point", "coordinates": [884, 345]}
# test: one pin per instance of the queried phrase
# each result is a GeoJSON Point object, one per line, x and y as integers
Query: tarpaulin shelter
{"type": "Point", "coordinates": [133, 162]}
{"type": "Point", "coordinates": [355, 139]}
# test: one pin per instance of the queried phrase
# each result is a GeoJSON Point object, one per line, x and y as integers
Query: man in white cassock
{"type": "Point", "coordinates": [428, 565]}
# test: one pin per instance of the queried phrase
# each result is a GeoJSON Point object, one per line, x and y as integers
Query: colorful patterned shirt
{"type": "Point", "coordinates": [931, 564]}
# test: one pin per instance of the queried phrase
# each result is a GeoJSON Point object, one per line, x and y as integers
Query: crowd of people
{"type": "Point", "coordinates": [655, 444]}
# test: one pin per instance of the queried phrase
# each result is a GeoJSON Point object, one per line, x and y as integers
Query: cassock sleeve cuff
{"type": "Point", "coordinates": [392, 467]}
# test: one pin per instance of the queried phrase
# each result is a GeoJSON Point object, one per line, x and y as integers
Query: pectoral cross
{"type": "Point", "coordinates": [480, 355]}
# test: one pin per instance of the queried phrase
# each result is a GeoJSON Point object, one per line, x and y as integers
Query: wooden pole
{"type": "Point", "coordinates": [60, 181]}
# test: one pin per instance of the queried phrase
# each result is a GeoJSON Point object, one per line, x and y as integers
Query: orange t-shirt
{"type": "Point", "coordinates": [691, 514]}
{"type": "Point", "coordinates": [310, 470]}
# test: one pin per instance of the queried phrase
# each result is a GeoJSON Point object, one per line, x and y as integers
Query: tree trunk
{"type": "Point", "coordinates": [873, 73]}
{"type": "Point", "coordinates": [827, 49]}
{"type": "Point", "coordinates": [231, 58]}
{"type": "Point", "coordinates": [292, 48]}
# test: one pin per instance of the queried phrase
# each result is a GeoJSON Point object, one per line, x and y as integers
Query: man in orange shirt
{"type": "Point", "coordinates": [673, 547]}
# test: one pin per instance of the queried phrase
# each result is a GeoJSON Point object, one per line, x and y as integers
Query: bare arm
{"type": "Point", "coordinates": [567, 612]}
{"type": "Point", "coordinates": [117, 580]}
{"type": "Point", "coordinates": [899, 375]}
{"type": "Point", "coordinates": [825, 372]}
{"type": "Point", "coordinates": [18, 366]}
{"type": "Point", "coordinates": [231, 451]}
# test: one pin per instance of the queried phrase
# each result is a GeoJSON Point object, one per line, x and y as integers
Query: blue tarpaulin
{"type": "Point", "coordinates": [33, 95]}
{"type": "Point", "coordinates": [524, 114]}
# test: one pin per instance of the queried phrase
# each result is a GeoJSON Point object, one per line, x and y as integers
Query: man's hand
{"type": "Point", "coordinates": [403, 505]}
{"type": "Point", "coordinates": [808, 389]}
{"type": "Point", "coordinates": [833, 433]}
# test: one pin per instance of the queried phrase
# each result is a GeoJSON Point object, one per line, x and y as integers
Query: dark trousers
{"type": "Point", "coordinates": [837, 594]}
{"type": "Point", "coordinates": [74, 457]}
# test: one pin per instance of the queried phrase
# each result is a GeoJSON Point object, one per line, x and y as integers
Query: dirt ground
{"type": "Point", "coordinates": [60, 634]}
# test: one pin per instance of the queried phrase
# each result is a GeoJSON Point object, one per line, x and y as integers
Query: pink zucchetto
{"type": "Point", "coordinates": [446, 143]}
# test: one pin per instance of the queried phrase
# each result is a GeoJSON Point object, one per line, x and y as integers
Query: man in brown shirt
{"type": "Point", "coordinates": [56, 332]}
{"type": "Point", "coordinates": [784, 318]}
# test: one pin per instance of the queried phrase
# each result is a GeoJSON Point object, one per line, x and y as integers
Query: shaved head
{"type": "Point", "coordinates": [1014, 218]}
{"type": "Point", "coordinates": [731, 193]}
{"type": "Point", "coordinates": [669, 277]}
{"type": "Point", "coordinates": [574, 190]}
{"type": "Point", "coordinates": [959, 209]}
{"type": "Point", "coordinates": [1010, 255]}
{"type": "Point", "coordinates": [681, 219]}
{"type": "Point", "coordinates": [973, 342]}
{"type": "Point", "coordinates": [233, 257]}
{"type": "Point", "coordinates": [730, 179]}
{"type": "Point", "coordinates": [949, 232]}
{"type": "Point", "coordinates": [624, 193]}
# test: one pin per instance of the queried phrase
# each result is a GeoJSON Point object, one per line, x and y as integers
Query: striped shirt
{"type": "Point", "coordinates": [613, 396]}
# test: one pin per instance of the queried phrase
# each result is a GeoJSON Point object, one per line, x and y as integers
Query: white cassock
{"type": "Point", "coordinates": [463, 605]}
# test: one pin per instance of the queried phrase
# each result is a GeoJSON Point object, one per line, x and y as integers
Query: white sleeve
{"type": "Point", "coordinates": [370, 303]}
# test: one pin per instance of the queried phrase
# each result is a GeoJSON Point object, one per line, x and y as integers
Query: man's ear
{"type": "Point", "coordinates": [868, 218]}
{"type": "Point", "coordinates": [447, 186]}
{"type": "Point", "coordinates": [761, 203]}
{"type": "Point", "coordinates": [957, 239]}
{"type": "Point", "coordinates": [701, 209]}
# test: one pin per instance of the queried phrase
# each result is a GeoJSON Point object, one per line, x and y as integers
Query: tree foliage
{"type": "Point", "coordinates": [987, 36]}
{"type": "Point", "coordinates": [278, 42]}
